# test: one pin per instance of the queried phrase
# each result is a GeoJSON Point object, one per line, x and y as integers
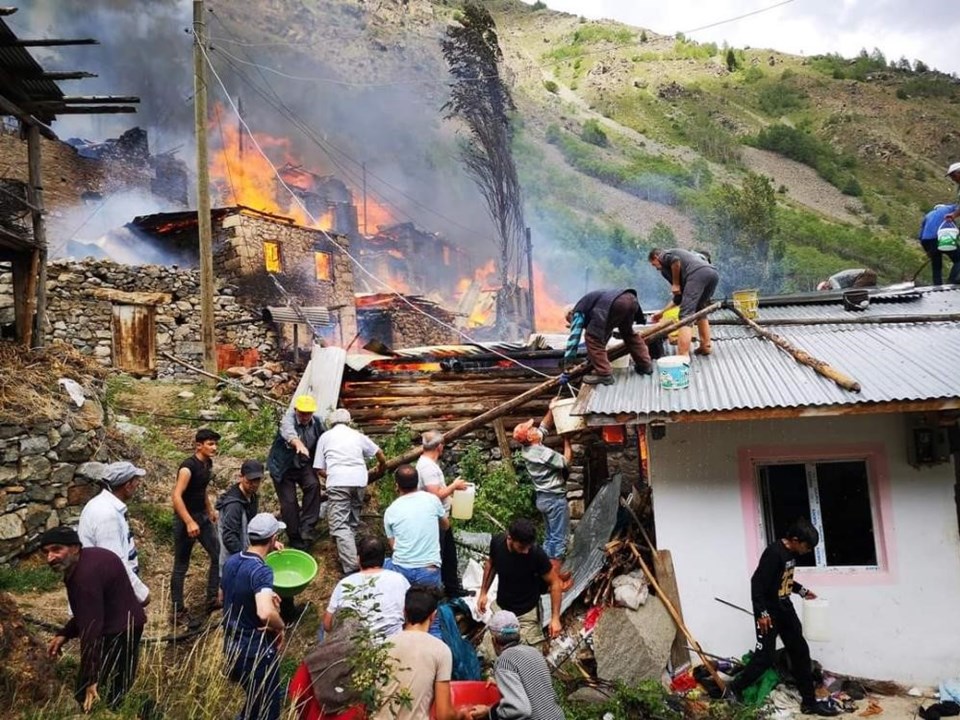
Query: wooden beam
{"type": "Point", "coordinates": [94, 110]}
{"type": "Point", "coordinates": [87, 100]}
{"type": "Point", "coordinates": [49, 42]}
{"type": "Point", "coordinates": [853, 319]}
{"type": "Point", "coordinates": [803, 357]}
{"type": "Point", "coordinates": [506, 457]}
{"type": "Point", "coordinates": [4, 11]}
{"type": "Point", "coordinates": [9, 108]}
{"type": "Point", "coordinates": [65, 75]}
{"type": "Point", "coordinates": [37, 291]}
{"type": "Point", "coordinates": [130, 298]}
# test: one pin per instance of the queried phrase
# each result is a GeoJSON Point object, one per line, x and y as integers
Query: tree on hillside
{"type": "Point", "coordinates": [742, 224]}
{"type": "Point", "coordinates": [731, 60]}
{"type": "Point", "coordinates": [481, 99]}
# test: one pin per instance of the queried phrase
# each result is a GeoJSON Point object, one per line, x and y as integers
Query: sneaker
{"type": "Point", "coordinates": [821, 708]}
{"type": "Point", "coordinates": [598, 379]}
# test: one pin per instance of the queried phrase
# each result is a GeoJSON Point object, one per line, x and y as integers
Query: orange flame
{"type": "Point", "coordinates": [548, 311]}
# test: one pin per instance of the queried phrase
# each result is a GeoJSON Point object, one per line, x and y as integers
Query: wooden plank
{"type": "Point", "coordinates": [130, 298]}
{"type": "Point", "coordinates": [50, 42]}
{"type": "Point", "coordinates": [506, 457]}
{"type": "Point", "coordinates": [663, 567]}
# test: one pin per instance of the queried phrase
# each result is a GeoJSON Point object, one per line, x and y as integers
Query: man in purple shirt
{"type": "Point", "coordinates": [107, 617]}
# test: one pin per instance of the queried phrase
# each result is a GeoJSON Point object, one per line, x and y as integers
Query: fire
{"type": "Point", "coordinates": [548, 311]}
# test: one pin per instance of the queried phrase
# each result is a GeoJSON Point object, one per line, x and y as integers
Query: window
{"type": "Point", "coordinates": [835, 495]}
{"type": "Point", "coordinates": [271, 256]}
{"type": "Point", "coordinates": [323, 261]}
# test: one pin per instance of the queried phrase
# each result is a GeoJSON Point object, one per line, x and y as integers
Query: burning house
{"type": "Point", "coordinates": [403, 322]}
{"type": "Point", "coordinates": [274, 278]}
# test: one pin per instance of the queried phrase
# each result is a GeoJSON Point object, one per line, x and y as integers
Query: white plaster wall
{"type": "Point", "coordinates": [907, 628]}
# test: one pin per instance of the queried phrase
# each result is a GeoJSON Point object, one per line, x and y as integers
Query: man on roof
{"type": "Point", "coordinates": [291, 466]}
{"type": "Point", "coordinates": [850, 278]}
{"type": "Point", "coordinates": [596, 315]}
{"type": "Point", "coordinates": [953, 172]}
{"type": "Point", "coordinates": [692, 281]}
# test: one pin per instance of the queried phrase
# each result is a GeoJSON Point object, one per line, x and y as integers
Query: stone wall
{"type": "Point", "coordinates": [239, 240]}
{"type": "Point", "coordinates": [78, 314]}
{"type": "Point", "coordinates": [46, 474]}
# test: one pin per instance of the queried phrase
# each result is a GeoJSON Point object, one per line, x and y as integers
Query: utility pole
{"type": "Point", "coordinates": [239, 131]}
{"type": "Point", "coordinates": [203, 192]}
{"type": "Point", "coordinates": [533, 314]}
{"type": "Point", "coordinates": [364, 166]}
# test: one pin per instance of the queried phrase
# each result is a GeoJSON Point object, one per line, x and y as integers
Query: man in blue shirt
{"type": "Point", "coordinates": [253, 629]}
{"type": "Point", "coordinates": [928, 241]}
{"type": "Point", "coordinates": [596, 315]}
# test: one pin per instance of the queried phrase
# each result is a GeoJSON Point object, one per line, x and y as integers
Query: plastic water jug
{"type": "Point", "coordinates": [816, 620]}
{"type": "Point", "coordinates": [462, 506]}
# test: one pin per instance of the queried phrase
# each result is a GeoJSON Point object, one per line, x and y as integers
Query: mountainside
{"type": "Point", "coordinates": [626, 138]}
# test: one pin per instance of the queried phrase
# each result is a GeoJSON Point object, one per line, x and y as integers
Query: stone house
{"type": "Point", "coordinates": [128, 315]}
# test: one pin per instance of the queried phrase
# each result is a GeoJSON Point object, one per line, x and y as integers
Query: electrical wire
{"type": "Point", "coordinates": [333, 242]}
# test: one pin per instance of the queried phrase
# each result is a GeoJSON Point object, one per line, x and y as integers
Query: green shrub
{"type": "Point", "coordinates": [158, 518]}
{"type": "Point", "coordinates": [780, 98]}
{"type": "Point", "coordinates": [807, 148]}
{"type": "Point", "coordinates": [499, 495]}
{"type": "Point", "coordinates": [594, 134]}
{"type": "Point", "coordinates": [927, 86]}
{"type": "Point", "coordinates": [397, 443]}
{"type": "Point", "coordinates": [601, 33]}
{"type": "Point", "coordinates": [753, 74]}
{"type": "Point", "coordinates": [852, 187]}
{"type": "Point", "coordinates": [643, 36]}
{"type": "Point", "coordinates": [539, 5]}
{"type": "Point", "coordinates": [28, 578]}
{"type": "Point", "coordinates": [902, 94]}
{"type": "Point", "coordinates": [551, 86]}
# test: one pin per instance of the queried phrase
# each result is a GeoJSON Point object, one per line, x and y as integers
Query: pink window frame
{"type": "Point", "coordinates": [881, 504]}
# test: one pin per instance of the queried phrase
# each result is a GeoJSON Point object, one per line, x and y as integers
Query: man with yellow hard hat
{"type": "Point", "coordinates": [291, 464]}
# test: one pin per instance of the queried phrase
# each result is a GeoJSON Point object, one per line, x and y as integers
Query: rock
{"type": "Point", "coordinates": [186, 395]}
{"type": "Point", "coordinates": [209, 415]}
{"type": "Point", "coordinates": [590, 696]}
{"type": "Point", "coordinates": [137, 432]}
{"type": "Point", "coordinates": [34, 445]}
{"type": "Point", "coordinates": [89, 417]}
{"type": "Point", "coordinates": [80, 494]}
{"type": "Point", "coordinates": [35, 468]}
{"type": "Point", "coordinates": [81, 447]}
{"type": "Point", "coordinates": [8, 473]}
{"type": "Point", "coordinates": [11, 526]}
{"type": "Point", "coordinates": [62, 473]}
{"type": "Point", "coordinates": [633, 645]}
{"type": "Point", "coordinates": [236, 372]}
{"type": "Point", "coordinates": [90, 472]}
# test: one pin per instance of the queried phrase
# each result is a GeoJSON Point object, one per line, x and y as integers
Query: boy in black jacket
{"type": "Point", "coordinates": [771, 586]}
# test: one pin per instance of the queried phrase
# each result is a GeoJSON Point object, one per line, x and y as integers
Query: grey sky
{"type": "Point", "coordinates": [924, 29]}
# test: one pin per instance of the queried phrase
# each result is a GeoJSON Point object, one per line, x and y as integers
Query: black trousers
{"type": "Point", "coordinates": [301, 521]}
{"type": "Point", "coordinates": [787, 626]}
{"type": "Point", "coordinates": [448, 561]}
{"type": "Point", "coordinates": [936, 262]}
{"type": "Point", "coordinates": [182, 549]}
{"type": "Point", "coordinates": [118, 670]}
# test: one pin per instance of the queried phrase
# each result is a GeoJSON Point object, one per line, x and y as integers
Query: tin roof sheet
{"type": "Point", "coordinates": [895, 361]}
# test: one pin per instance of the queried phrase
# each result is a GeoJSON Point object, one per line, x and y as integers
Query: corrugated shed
{"type": "Point", "coordinates": [895, 362]}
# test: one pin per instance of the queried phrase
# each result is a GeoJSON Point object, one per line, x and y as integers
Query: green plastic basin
{"type": "Point", "coordinates": [292, 571]}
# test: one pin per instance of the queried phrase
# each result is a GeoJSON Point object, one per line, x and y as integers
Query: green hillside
{"type": "Point", "coordinates": [786, 168]}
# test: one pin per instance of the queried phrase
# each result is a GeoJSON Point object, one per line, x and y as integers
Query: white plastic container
{"type": "Point", "coordinates": [462, 506]}
{"type": "Point", "coordinates": [674, 372]}
{"type": "Point", "coordinates": [563, 421]}
{"type": "Point", "coordinates": [816, 620]}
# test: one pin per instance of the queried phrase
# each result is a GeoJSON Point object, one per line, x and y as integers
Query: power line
{"type": "Point", "coordinates": [333, 242]}
{"type": "Point", "coordinates": [738, 17]}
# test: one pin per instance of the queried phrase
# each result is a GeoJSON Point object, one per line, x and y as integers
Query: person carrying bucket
{"type": "Point", "coordinates": [596, 315]}
{"type": "Point", "coordinates": [770, 587]}
{"type": "Point", "coordinates": [692, 281]}
{"type": "Point", "coordinates": [936, 241]}
{"type": "Point", "coordinates": [549, 471]}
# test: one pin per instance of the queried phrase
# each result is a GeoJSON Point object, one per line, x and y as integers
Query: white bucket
{"type": "Point", "coordinates": [462, 506]}
{"type": "Point", "coordinates": [816, 620]}
{"type": "Point", "coordinates": [674, 371]}
{"type": "Point", "coordinates": [563, 421]}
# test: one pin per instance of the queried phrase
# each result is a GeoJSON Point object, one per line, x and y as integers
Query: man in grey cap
{"type": "Point", "coordinates": [253, 628]}
{"type": "Point", "coordinates": [103, 521]}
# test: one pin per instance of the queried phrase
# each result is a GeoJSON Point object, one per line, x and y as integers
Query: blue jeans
{"type": "Point", "coordinates": [425, 576]}
{"type": "Point", "coordinates": [556, 513]}
{"type": "Point", "coordinates": [258, 673]}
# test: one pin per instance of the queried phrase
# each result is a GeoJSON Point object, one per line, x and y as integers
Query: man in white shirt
{"type": "Point", "coordinates": [432, 480]}
{"type": "Point", "coordinates": [103, 521]}
{"type": "Point", "coordinates": [376, 594]}
{"type": "Point", "coordinates": [341, 460]}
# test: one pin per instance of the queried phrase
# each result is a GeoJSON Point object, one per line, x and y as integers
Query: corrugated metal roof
{"type": "Point", "coordinates": [907, 361]}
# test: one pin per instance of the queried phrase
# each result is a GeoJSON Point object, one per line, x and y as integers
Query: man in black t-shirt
{"type": "Point", "coordinates": [524, 570]}
{"type": "Point", "coordinates": [193, 520]}
{"type": "Point", "coordinates": [770, 587]}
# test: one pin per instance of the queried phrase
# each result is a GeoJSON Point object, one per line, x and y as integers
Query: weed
{"type": "Point", "coordinates": [399, 442]}
{"type": "Point", "coordinates": [807, 148]}
{"type": "Point", "coordinates": [780, 98]}
{"type": "Point", "coordinates": [25, 578]}
{"type": "Point", "coordinates": [249, 429]}
{"type": "Point", "coordinates": [594, 134]}
{"type": "Point", "coordinates": [539, 5]}
{"type": "Point", "coordinates": [156, 517]}
{"type": "Point", "coordinates": [551, 86]}
{"type": "Point", "coordinates": [500, 495]}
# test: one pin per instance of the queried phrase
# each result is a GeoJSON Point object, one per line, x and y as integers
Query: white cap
{"type": "Point", "coordinates": [263, 526]}
{"type": "Point", "coordinates": [954, 167]}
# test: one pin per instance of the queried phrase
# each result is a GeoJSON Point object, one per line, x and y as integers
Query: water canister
{"type": "Point", "coordinates": [563, 421]}
{"type": "Point", "coordinates": [816, 620]}
{"type": "Point", "coordinates": [462, 506]}
{"type": "Point", "coordinates": [674, 372]}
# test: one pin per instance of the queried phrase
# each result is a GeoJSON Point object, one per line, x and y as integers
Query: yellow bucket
{"type": "Point", "coordinates": [673, 314]}
{"type": "Point", "coordinates": [747, 302]}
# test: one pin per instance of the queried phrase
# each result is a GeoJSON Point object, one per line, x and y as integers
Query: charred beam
{"type": "Point", "coordinates": [48, 42]}
{"type": "Point", "coordinates": [66, 75]}
{"type": "Point", "coordinates": [94, 110]}
{"type": "Point", "coordinates": [4, 11]}
{"type": "Point", "coordinates": [9, 108]}
{"type": "Point", "coordinates": [87, 100]}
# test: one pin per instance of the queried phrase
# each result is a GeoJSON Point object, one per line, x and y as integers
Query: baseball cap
{"type": "Point", "coordinates": [117, 473]}
{"type": "Point", "coordinates": [954, 167]}
{"type": "Point", "coordinates": [60, 536]}
{"type": "Point", "coordinates": [305, 403]}
{"type": "Point", "coordinates": [252, 469]}
{"type": "Point", "coordinates": [504, 623]}
{"type": "Point", "coordinates": [263, 526]}
{"type": "Point", "coordinates": [340, 416]}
